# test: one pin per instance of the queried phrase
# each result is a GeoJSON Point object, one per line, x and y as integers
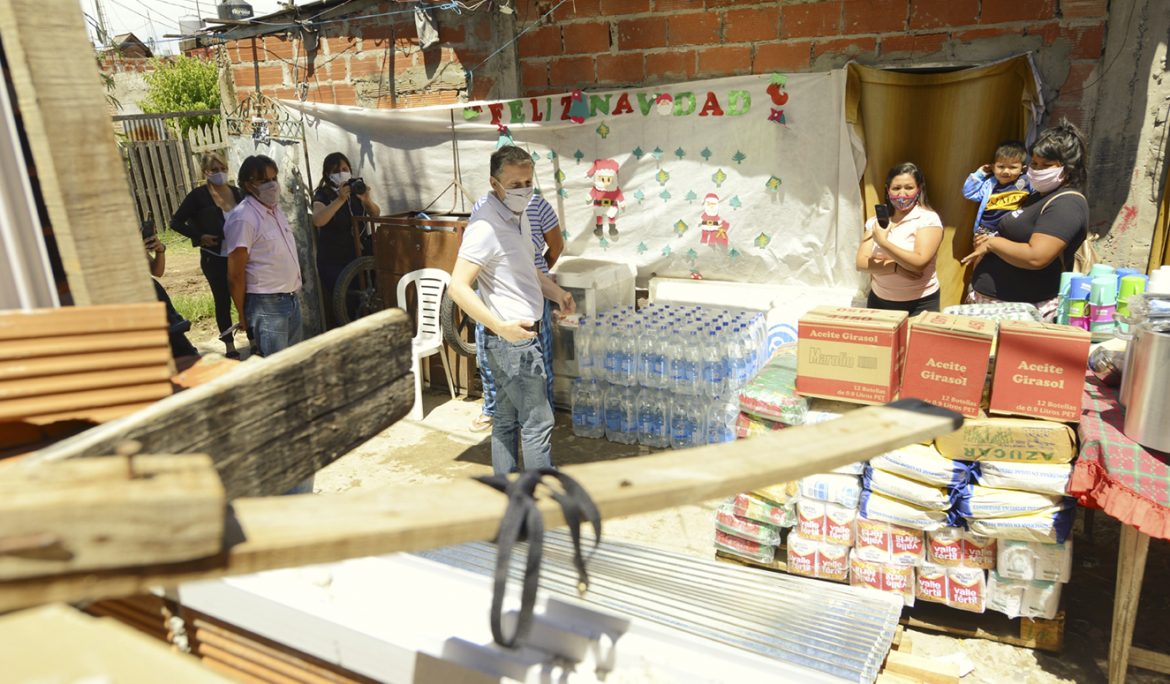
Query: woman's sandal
{"type": "Point", "coordinates": [481, 423]}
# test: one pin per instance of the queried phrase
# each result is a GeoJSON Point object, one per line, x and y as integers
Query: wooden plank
{"type": "Point", "coordinates": [272, 422]}
{"type": "Point", "coordinates": [95, 513]}
{"type": "Point", "coordinates": [1045, 635]}
{"type": "Point", "coordinates": [41, 366]}
{"type": "Point", "coordinates": [78, 403]}
{"type": "Point", "coordinates": [1131, 568]}
{"type": "Point", "coordinates": [39, 324]}
{"type": "Point", "coordinates": [156, 183]}
{"type": "Point", "coordinates": [887, 677]}
{"type": "Point", "coordinates": [95, 414]}
{"type": "Point", "coordinates": [84, 381]}
{"type": "Point", "coordinates": [82, 182]}
{"type": "Point", "coordinates": [1149, 660]}
{"type": "Point", "coordinates": [291, 531]}
{"type": "Point", "coordinates": [130, 340]}
{"type": "Point", "coordinates": [923, 669]}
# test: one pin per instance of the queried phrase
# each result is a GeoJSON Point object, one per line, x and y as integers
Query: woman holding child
{"type": "Point", "coordinates": [900, 255]}
{"type": "Point", "coordinates": [1038, 241]}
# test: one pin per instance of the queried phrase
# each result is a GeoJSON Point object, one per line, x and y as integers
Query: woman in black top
{"type": "Point", "coordinates": [201, 217]}
{"type": "Point", "coordinates": [1038, 241]}
{"type": "Point", "coordinates": [334, 207]}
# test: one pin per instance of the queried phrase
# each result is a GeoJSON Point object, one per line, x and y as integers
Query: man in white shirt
{"type": "Point", "coordinates": [497, 254]}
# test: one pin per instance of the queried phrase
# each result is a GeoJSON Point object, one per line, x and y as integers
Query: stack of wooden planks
{"type": "Point", "coordinates": [92, 363]}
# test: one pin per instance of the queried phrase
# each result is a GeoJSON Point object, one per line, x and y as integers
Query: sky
{"type": "Point", "coordinates": [149, 19]}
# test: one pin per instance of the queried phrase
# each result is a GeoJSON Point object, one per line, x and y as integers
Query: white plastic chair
{"type": "Point", "coordinates": [428, 337]}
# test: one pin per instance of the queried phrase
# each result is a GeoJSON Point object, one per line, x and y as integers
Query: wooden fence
{"type": "Point", "coordinates": [162, 163]}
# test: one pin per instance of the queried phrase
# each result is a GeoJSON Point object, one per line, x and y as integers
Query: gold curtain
{"type": "Point", "coordinates": [948, 124]}
{"type": "Point", "coordinates": [1160, 248]}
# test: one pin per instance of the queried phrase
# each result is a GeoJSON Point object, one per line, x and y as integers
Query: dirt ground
{"type": "Point", "coordinates": [441, 447]}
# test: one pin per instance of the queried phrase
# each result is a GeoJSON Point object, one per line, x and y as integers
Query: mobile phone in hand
{"type": "Point", "coordinates": [147, 229]}
{"type": "Point", "coordinates": [882, 212]}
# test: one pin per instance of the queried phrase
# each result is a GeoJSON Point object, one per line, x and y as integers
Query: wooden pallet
{"type": "Point", "coordinates": [1039, 634]}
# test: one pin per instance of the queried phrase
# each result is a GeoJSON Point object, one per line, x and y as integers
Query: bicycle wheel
{"type": "Point", "coordinates": [356, 292]}
{"type": "Point", "coordinates": [458, 327]}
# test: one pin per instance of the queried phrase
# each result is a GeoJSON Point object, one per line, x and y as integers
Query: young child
{"type": "Point", "coordinates": [1000, 187]}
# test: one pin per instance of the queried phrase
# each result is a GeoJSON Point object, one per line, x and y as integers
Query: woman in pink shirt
{"type": "Point", "coordinates": [900, 256]}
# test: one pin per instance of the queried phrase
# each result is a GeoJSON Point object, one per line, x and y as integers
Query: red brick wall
{"type": "Point", "coordinates": [371, 62]}
{"type": "Point", "coordinates": [606, 43]}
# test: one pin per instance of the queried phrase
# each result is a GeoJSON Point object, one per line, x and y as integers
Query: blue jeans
{"type": "Point", "coordinates": [485, 371]}
{"type": "Point", "coordinates": [522, 404]}
{"type": "Point", "coordinates": [274, 321]}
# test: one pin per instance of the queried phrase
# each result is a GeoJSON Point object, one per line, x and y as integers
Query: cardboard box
{"type": "Point", "coordinates": [855, 355]}
{"type": "Point", "coordinates": [1040, 370]}
{"type": "Point", "coordinates": [946, 361]}
{"type": "Point", "coordinates": [1010, 439]}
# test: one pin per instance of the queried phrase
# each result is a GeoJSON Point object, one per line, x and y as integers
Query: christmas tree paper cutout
{"type": "Point", "coordinates": [642, 248]}
{"type": "Point", "coordinates": [772, 184]}
{"type": "Point", "coordinates": [734, 253]}
{"type": "Point", "coordinates": [680, 227]}
{"type": "Point", "coordinates": [565, 233]}
{"type": "Point", "coordinates": [762, 240]}
{"type": "Point", "coordinates": [563, 192]}
{"type": "Point", "coordinates": [662, 176]}
{"type": "Point", "coordinates": [666, 251]}
{"type": "Point", "coordinates": [552, 154]}
{"type": "Point", "coordinates": [692, 255]}
{"type": "Point", "coordinates": [738, 157]}
{"type": "Point", "coordinates": [734, 202]}
{"type": "Point", "coordinates": [603, 130]}
{"type": "Point", "coordinates": [691, 196]}
{"type": "Point", "coordinates": [578, 155]}
{"type": "Point", "coordinates": [604, 244]}
{"type": "Point", "coordinates": [639, 153]}
{"type": "Point", "coordinates": [639, 195]}
{"type": "Point", "coordinates": [657, 154]}
{"type": "Point", "coordinates": [706, 154]}
{"type": "Point", "coordinates": [718, 177]}
{"type": "Point", "coordinates": [535, 157]}
{"type": "Point", "coordinates": [680, 153]}
{"type": "Point", "coordinates": [665, 195]}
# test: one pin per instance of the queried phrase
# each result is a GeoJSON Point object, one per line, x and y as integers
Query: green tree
{"type": "Point", "coordinates": [180, 85]}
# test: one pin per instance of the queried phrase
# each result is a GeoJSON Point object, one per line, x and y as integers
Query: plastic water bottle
{"type": "Point", "coordinates": [652, 368]}
{"type": "Point", "coordinates": [686, 422]}
{"type": "Point", "coordinates": [713, 366]}
{"type": "Point", "coordinates": [582, 348]}
{"type": "Point", "coordinates": [691, 356]}
{"type": "Point", "coordinates": [621, 418]}
{"type": "Point", "coordinates": [654, 418]}
{"type": "Point", "coordinates": [625, 346]}
{"type": "Point", "coordinates": [721, 416]}
{"type": "Point", "coordinates": [603, 352]}
{"type": "Point", "coordinates": [587, 417]}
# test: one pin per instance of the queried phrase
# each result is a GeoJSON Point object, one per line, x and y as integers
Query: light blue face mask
{"type": "Point", "coordinates": [217, 178]}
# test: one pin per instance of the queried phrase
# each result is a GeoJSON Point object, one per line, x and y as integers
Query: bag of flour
{"type": "Point", "coordinates": [904, 489]}
{"type": "Point", "coordinates": [1049, 478]}
{"type": "Point", "coordinates": [832, 487]}
{"type": "Point", "coordinates": [989, 502]}
{"type": "Point", "coordinates": [924, 464]}
{"type": "Point", "coordinates": [1049, 527]}
{"type": "Point", "coordinates": [874, 506]}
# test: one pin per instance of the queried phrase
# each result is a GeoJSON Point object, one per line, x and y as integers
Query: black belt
{"type": "Point", "coordinates": [535, 328]}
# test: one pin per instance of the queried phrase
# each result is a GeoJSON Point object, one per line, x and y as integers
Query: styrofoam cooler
{"type": "Point", "coordinates": [596, 286]}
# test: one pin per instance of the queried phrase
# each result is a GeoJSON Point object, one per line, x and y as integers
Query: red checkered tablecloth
{"type": "Point", "coordinates": [1115, 474]}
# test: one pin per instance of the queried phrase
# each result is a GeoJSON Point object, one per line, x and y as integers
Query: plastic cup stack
{"type": "Point", "coordinates": [1159, 281]}
{"type": "Point", "coordinates": [1079, 289]}
{"type": "Point", "coordinates": [1062, 307]}
{"type": "Point", "coordinates": [1103, 304]}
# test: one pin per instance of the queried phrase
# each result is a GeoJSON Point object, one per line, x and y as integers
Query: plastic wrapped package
{"type": "Point", "coordinates": [981, 502]}
{"type": "Point", "coordinates": [912, 492]}
{"type": "Point", "coordinates": [1047, 527]}
{"type": "Point", "coordinates": [823, 410]}
{"type": "Point", "coordinates": [1025, 560]}
{"type": "Point", "coordinates": [772, 393]}
{"type": "Point", "coordinates": [727, 521]}
{"type": "Point", "coordinates": [759, 510]}
{"type": "Point", "coordinates": [1023, 598]}
{"type": "Point", "coordinates": [744, 548]}
{"type": "Point", "coordinates": [889, 577]}
{"type": "Point", "coordinates": [747, 425]}
{"type": "Point", "coordinates": [925, 464]}
{"type": "Point", "coordinates": [874, 506]}
{"type": "Point", "coordinates": [953, 547]}
{"type": "Point", "coordinates": [881, 542]}
{"type": "Point", "coordinates": [997, 311]}
{"type": "Point", "coordinates": [1047, 478]}
{"type": "Point", "coordinates": [962, 588]}
{"type": "Point", "coordinates": [821, 521]}
{"type": "Point", "coordinates": [811, 558]}
{"type": "Point", "coordinates": [779, 494]}
{"type": "Point", "coordinates": [851, 469]}
{"type": "Point", "coordinates": [832, 487]}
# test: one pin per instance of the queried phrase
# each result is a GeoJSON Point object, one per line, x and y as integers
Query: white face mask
{"type": "Point", "coordinates": [338, 179]}
{"type": "Point", "coordinates": [217, 178]}
{"type": "Point", "coordinates": [268, 193]}
{"type": "Point", "coordinates": [1044, 180]}
{"type": "Point", "coordinates": [517, 199]}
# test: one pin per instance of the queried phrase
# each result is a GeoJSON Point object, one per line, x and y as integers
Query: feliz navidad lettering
{"type": "Point", "coordinates": [576, 105]}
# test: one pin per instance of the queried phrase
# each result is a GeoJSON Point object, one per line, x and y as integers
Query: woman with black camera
{"type": "Point", "coordinates": [201, 217]}
{"type": "Point", "coordinates": [338, 198]}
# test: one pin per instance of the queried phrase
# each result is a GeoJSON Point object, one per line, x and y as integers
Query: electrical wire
{"type": "Point", "coordinates": [526, 29]}
{"type": "Point", "coordinates": [1124, 43]}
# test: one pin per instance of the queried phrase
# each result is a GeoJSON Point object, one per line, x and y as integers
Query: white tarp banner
{"type": "Point", "coordinates": [752, 178]}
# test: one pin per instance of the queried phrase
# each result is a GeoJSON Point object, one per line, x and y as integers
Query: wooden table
{"type": "Point", "coordinates": [1132, 484]}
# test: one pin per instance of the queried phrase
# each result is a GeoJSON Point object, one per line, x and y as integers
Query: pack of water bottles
{"type": "Point", "coordinates": [667, 375]}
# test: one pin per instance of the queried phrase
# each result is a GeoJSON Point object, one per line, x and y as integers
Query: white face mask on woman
{"type": "Point", "coordinates": [338, 179]}
{"type": "Point", "coordinates": [268, 193]}
{"type": "Point", "coordinates": [217, 178]}
{"type": "Point", "coordinates": [1045, 180]}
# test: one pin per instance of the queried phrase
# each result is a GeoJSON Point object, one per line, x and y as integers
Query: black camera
{"type": "Point", "coordinates": [147, 228]}
{"type": "Point", "coordinates": [357, 186]}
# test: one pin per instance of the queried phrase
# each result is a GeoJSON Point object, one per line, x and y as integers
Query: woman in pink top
{"type": "Point", "coordinates": [900, 256]}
